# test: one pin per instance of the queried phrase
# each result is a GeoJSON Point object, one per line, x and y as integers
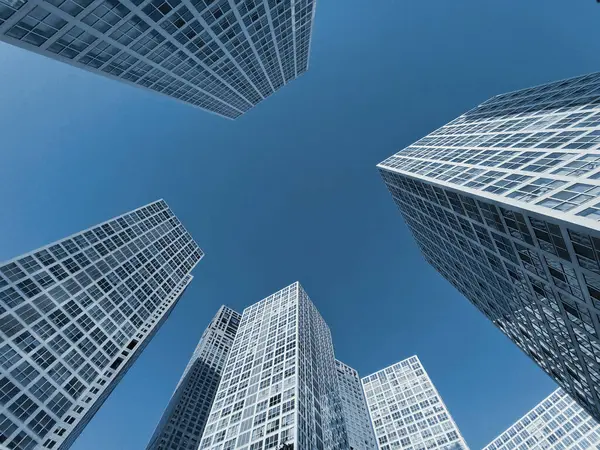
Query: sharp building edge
{"type": "Point", "coordinates": [504, 202]}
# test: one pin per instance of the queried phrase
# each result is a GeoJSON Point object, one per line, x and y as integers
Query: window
{"type": "Point", "coordinates": [23, 407]}
{"type": "Point", "coordinates": [23, 441]}
{"type": "Point", "coordinates": [26, 342]}
{"type": "Point", "coordinates": [11, 298]}
{"type": "Point", "coordinates": [44, 304]}
{"type": "Point", "coordinates": [44, 358]}
{"type": "Point", "coordinates": [59, 373]}
{"type": "Point", "coordinates": [535, 189]}
{"type": "Point", "coordinates": [29, 288]}
{"type": "Point", "coordinates": [7, 428]}
{"type": "Point", "coordinates": [29, 264]}
{"type": "Point", "coordinates": [10, 325]}
{"type": "Point", "coordinates": [28, 314]}
{"type": "Point", "coordinates": [580, 166]}
{"type": "Point", "coordinates": [571, 197]}
{"type": "Point", "coordinates": [12, 272]}
{"type": "Point", "coordinates": [41, 424]}
{"type": "Point", "coordinates": [42, 389]}
{"type": "Point", "coordinates": [59, 404]}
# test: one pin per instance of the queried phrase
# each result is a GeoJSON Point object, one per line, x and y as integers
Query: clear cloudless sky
{"type": "Point", "coordinates": [290, 190]}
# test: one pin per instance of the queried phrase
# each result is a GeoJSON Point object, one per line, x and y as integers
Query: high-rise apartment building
{"type": "Point", "coordinates": [407, 411]}
{"type": "Point", "coordinates": [354, 406]}
{"type": "Point", "coordinates": [504, 202]}
{"type": "Point", "coordinates": [183, 421]}
{"type": "Point", "coordinates": [557, 423]}
{"type": "Point", "coordinates": [221, 55]}
{"type": "Point", "coordinates": [76, 314]}
{"type": "Point", "coordinates": [279, 385]}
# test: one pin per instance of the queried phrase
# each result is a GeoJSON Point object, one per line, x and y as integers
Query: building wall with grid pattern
{"type": "Point", "coordinates": [407, 411]}
{"type": "Point", "coordinates": [221, 55]}
{"type": "Point", "coordinates": [557, 423]}
{"type": "Point", "coordinates": [356, 414]}
{"type": "Point", "coordinates": [74, 316]}
{"type": "Point", "coordinates": [279, 385]}
{"type": "Point", "coordinates": [184, 419]}
{"type": "Point", "coordinates": [503, 202]}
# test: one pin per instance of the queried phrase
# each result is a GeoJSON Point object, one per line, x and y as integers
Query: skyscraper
{"type": "Point", "coordinates": [503, 202]}
{"type": "Point", "coordinates": [407, 411]}
{"type": "Point", "coordinates": [183, 421]}
{"type": "Point", "coordinates": [279, 385]}
{"type": "Point", "coordinates": [76, 314]}
{"type": "Point", "coordinates": [222, 55]}
{"type": "Point", "coordinates": [558, 422]}
{"type": "Point", "coordinates": [354, 406]}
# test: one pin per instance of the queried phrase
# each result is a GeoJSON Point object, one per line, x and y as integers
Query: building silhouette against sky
{"type": "Point", "coordinates": [354, 406]}
{"type": "Point", "coordinates": [557, 422]}
{"type": "Point", "coordinates": [76, 314]}
{"type": "Point", "coordinates": [221, 55]}
{"type": "Point", "coordinates": [279, 385]}
{"type": "Point", "coordinates": [407, 411]}
{"type": "Point", "coordinates": [183, 421]}
{"type": "Point", "coordinates": [504, 202]}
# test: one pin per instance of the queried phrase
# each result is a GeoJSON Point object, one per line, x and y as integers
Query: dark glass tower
{"type": "Point", "coordinates": [183, 421]}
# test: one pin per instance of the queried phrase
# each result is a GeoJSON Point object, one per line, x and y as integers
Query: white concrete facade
{"type": "Point", "coordinates": [76, 314]}
{"type": "Point", "coordinates": [556, 423]}
{"type": "Point", "coordinates": [407, 411]}
{"type": "Point", "coordinates": [279, 385]}
{"type": "Point", "coordinates": [224, 56]}
{"type": "Point", "coordinates": [504, 202]}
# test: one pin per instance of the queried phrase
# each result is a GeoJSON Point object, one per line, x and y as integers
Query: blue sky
{"type": "Point", "coordinates": [290, 191]}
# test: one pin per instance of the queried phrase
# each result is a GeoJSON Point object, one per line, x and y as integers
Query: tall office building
{"type": "Point", "coordinates": [183, 421]}
{"type": "Point", "coordinates": [504, 202]}
{"type": "Point", "coordinates": [279, 385]}
{"type": "Point", "coordinates": [76, 314]}
{"type": "Point", "coordinates": [222, 55]}
{"type": "Point", "coordinates": [407, 411]}
{"type": "Point", "coordinates": [557, 423]}
{"type": "Point", "coordinates": [354, 406]}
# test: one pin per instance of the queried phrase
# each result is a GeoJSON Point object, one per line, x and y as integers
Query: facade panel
{"type": "Point", "coordinates": [279, 385]}
{"type": "Point", "coordinates": [407, 411]}
{"type": "Point", "coordinates": [74, 316]}
{"type": "Point", "coordinates": [356, 414]}
{"type": "Point", "coordinates": [557, 423]}
{"type": "Point", "coordinates": [184, 419]}
{"type": "Point", "coordinates": [221, 55]}
{"type": "Point", "coordinates": [503, 202]}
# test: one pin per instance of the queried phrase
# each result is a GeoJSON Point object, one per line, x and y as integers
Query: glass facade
{"type": "Point", "coordinates": [74, 316]}
{"type": "Point", "coordinates": [221, 55]}
{"type": "Point", "coordinates": [279, 385]}
{"type": "Point", "coordinates": [503, 202]}
{"type": "Point", "coordinates": [407, 411]}
{"type": "Point", "coordinates": [183, 421]}
{"type": "Point", "coordinates": [557, 423]}
{"type": "Point", "coordinates": [356, 414]}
